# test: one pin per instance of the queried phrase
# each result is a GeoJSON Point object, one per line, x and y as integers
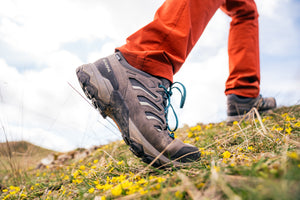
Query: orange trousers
{"type": "Point", "coordinates": [161, 47]}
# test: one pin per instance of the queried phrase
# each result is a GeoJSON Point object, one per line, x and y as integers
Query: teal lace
{"type": "Point", "coordinates": [167, 97]}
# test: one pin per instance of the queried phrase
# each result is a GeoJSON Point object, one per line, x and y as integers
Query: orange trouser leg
{"type": "Point", "coordinates": [161, 47]}
{"type": "Point", "coordinates": [243, 48]}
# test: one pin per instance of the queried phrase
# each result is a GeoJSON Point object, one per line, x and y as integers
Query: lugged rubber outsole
{"type": "Point", "coordinates": [106, 109]}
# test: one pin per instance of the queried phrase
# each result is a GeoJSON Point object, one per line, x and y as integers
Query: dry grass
{"type": "Point", "coordinates": [254, 159]}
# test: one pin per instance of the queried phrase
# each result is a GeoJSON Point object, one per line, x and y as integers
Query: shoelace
{"type": "Point", "coordinates": [167, 97]}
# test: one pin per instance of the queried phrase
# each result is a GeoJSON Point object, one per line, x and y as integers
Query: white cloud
{"type": "Point", "coordinates": [279, 29]}
{"type": "Point", "coordinates": [40, 27]}
{"type": "Point", "coordinates": [205, 83]}
{"type": "Point", "coordinates": [43, 100]}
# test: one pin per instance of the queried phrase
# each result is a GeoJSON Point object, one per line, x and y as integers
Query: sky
{"type": "Point", "coordinates": [43, 42]}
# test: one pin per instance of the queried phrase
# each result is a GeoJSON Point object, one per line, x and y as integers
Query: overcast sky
{"type": "Point", "coordinates": [43, 41]}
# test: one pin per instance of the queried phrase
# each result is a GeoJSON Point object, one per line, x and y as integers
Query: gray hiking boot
{"type": "Point", "coordinates": [137, 102]}
{"type": "Point", "coordinates": [237, 106]}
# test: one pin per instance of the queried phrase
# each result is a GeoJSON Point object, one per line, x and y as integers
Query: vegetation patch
{"type": "Point", "coordinates": [258, 158]}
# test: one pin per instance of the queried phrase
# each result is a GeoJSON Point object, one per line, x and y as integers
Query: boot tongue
{"type": "Point", "coordinates": [166, 94]}
{"type": "Point", "coordinates": [165, 82]}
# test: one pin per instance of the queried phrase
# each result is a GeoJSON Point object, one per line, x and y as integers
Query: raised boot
{"type": "Point", "coordinates": [136, 101]}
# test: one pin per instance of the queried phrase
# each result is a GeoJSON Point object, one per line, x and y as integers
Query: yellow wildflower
{"type": "Point", "coordinates": [273, 128]}
{"type": "Point", "coordinates": [103, 197]}
{"type": "Point", "coordinates": [288, 130]}
{"type": "Point", "coordinates": [116, 191]}
{"type": "Point", "coordinates": [190, 134]}
{"type": "Point", "coordinates": [142, 191]}
{"type": "Point", "coordinates": [226, 154]}
{"type": "Point", "coordinates": [209, 126]}
{"type": "Point", "coordinates": [107, 186]}
{"type": "Point", "coordinates": [23, 195]}
{"type": "Point", "coordinates": [157, 187]}
{"type": "Point", "coordinates": [111, 169]}
{"type": "Point", "coordinates": [292, 155]}
{"type": "Point", "coordinates": [99, 186]}
{"type": "Point", "coordinates": [82, 167]}
{"type": "Point", "coordinates": [6, 197]}
{"type": "Point", "coordinates": [120, 162]}
{"type": "Point", "coordinates": [141, 181]}
{"type": "Point", "coordinates": [14, 190]}
{"type": "Point", "coordinates": [178, 194]}
{"type": "Point", "coordinates": [109, 164]}
{"type": "Point", "coordinates": [217, 168]}
{"type": "Point", "coordinates": [250, 148]}
{"type": "Point", "coordinates": [196, 128]}
{"type": "Point", "coordinates": [126, 184]}
{"type": "Point", "coordinates": [91, 190]}
{"type": "Point", "coordinates": [75, 174]}
{"type": "Point", "coordinates": [200, 185]}
{"type": "Point", "coordinates": [160, 179]}
{"type": "Point", "coordinates": [78, 181]}
{"type": "Point", "coordinates": [84, 173]}
{"type": "Point", "coordinates": [279, 129]}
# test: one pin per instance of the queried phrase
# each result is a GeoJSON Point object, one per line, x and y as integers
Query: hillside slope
{"type": "Point", "coordinates": [22, 147]}
{"type": "Point", "coordinates": [19, 155]}
{"type": "Point", "coordinates": [254, 159]}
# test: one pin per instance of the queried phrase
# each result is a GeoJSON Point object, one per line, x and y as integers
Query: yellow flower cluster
{"type": "Point", "coordinates": [14, 192]}
{"type": "Point", "coordinates": [226, 154]}
{"type": "Point", "coordinates": [206, 152]}
{"type": "Point", "coordinates": [293, 155]}
{"type": "Point", "coordinates": [194, 132]}
{"type": "Point", "coordinates": [122, 185]}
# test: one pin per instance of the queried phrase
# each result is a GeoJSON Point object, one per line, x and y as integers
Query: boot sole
{"type": "Point", "coordinates": [109, 102]}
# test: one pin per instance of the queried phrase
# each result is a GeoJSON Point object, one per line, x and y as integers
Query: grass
{"type": "Point", "coordinates": [15, 157]}
{"type": "Point", "coordinates": [254, 159]}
